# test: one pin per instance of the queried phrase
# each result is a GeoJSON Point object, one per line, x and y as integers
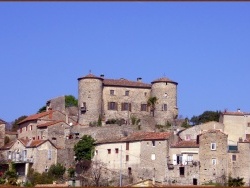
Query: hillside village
{"type": "Point", "coordinates": [128, 121]}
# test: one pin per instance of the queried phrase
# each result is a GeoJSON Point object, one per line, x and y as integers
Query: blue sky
{"type": "Point", "coordinates": [45, 47]}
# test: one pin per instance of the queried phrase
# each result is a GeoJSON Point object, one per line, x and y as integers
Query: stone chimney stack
{"type": "Point", "coordinates": [139, 79]}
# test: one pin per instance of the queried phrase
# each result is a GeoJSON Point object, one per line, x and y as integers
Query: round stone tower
{"type": "Point", "coordinates": [166, 106]}
{"type": "Point", "coordinates": [89, 98]}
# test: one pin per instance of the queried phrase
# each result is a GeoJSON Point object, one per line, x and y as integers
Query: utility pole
{"type": "Point", "coordinates": [121, 168]}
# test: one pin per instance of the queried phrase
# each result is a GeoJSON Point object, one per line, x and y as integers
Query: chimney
{"type": "Point", "coordinates": [102, 75]}
{"type": "Point", "coordinates": [238, 110]}
{"type": "Point", "coordinates": [139, 79]}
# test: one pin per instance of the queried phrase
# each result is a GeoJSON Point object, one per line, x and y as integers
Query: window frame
{"type": "Point", "coordinates": [214, 161]}
{"type": "Point", "coordinates": [144, 107]}
{"type": "Point", "coordinates": [213, 146]}
{"type": "Point", "coordinates": [127, 93]}
{"type": "Point", "coordinates": [112, 92]}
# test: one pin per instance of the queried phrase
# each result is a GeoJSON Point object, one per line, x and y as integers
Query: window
{"type": "Point", "coordinates": [179, 159]}
{"type": "Point", "coordinates": [49, 154]}
{"type": "Point", "coordinates": [248, 124]}
{"type": "Point", "coordinates": [233, 157]}
{"type": "Point", "coordinates": [127, 157]}
{"type": "Point", "coordinates": [46, 168]}
{"type": "Point", "coordinates": [9, 154]}
{"type": "Point", "coordinates": [127, 145]}
{"type": "Point", "coordinates": [96, 152]}
{"type": "Point", "coordinates": [213, 161]}
{"type": "Point", "coordinates": [153, 143]}
{"type": "Point", "coordinates": [116, 150]}
{"type": "Point", "coordinates": [126, 106]}
{"type": "Point", "coordinates": [129, 171]}
{"type": "Point", "coordinates": [126, 93]}
{"type": "Point", "coordinates": [109, 151]}
{"type": "Point", "coordinates": [33, 138]}
{"type": "Point", "coordinates": [31, 127]}
{"type": "Point", "coordinates": [20, 130]}
{"type": "Point", "coordinates": [37, 137]}
{"type": "Point", "coordinates": [145, 94]}
{"type": "Point", "coordinates": [164, 107]}
{"type": "Point", "coordinates": [190, 158]}
{"type": "Point", "coordinates": [112, 106]}
{"type": "Point", "coordinates": [26, 128]}
{"type": "Point", "coordinates": [188, 137]}
{"type": "Point", "coordinates": [143, 107]}
{"type": "Point", "coordinates": [182, 171]}
{"type": "Point", "coordinates": [213, 146]}
{"type": "Point", "coordinates": [112, 92]}
{"type": "Point", "coordinates": [152, 156]}
{"type": "Point", "coordinates": [53, 138]}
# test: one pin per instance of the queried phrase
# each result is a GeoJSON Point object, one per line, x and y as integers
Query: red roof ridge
{"type": "Point", "coordinates": [35, 116]}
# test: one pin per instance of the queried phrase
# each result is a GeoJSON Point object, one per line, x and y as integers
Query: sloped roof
{"type": "Point", "coordinates": [237, 113]}
{"type": "Point", "coordinates": [35, 116]}
{"type": "Point", "coordinates": [92, 76]}
{"type": "Point", "coordinates": [139, 136]}
{"type": "Point", "coordinates": [49, 124]}
{"type": "Point", "coordinates": [9, 145]}
{"type": "Point", "coordinates": [11, 132]}
{"type": "Point", "coordinates": [163, 79]}
{"type": "Point", "coordinates": [185, 144]}
{"type": "Point", "coordinates": [125, 83]}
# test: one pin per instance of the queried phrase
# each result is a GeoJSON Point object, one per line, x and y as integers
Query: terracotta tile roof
{"type": "Point", "coordinates": [35, 116]}
{"type": "Point", "coordinates": [90, 76]}
{"type": "Point", "coordinates": [125, 83]}
{"type": "Point", "coordinates": [186, 144]}
{"type": "Point", "coordinates": [49, 124]}
{"type": "Point", "coordinates": [163, 79]}
{"type": "Point", "coordinates": [11, 132]}
{"type": "Point", "coordinates": [139, 136]}
{"type": "Point", "coordinates": [235, 113]}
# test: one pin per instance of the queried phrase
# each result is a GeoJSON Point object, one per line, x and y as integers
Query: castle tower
{"type": "Point", "coordinates": [166, 107]}
{"type": "Point", "coordinates": [89, 98]}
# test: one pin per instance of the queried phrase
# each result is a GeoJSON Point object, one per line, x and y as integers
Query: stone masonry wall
{"type": "Point", "coordinates": [208, 171]}
{"type": "Point", "coordinates": [166, 94]}
{"type": "Point", "coordinates": [2, 134]}
{"type": "Point", "coordinates": [90, 93]}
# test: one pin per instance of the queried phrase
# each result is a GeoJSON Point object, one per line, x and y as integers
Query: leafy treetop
{"type": "Point", "coordinates": [70, 100]}
{"type": "Point", "coordinates": [205, 117]}
{"type": "Point", "coordinates": [84, 148]}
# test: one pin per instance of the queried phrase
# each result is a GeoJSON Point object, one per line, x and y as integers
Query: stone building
{"type": "Point", "coordinates": [142, 155]}
{"type": "Point", "coordinates": [237, 125]}
{"type": "Point", "coordinates": [213, 156]}
{"type": "Point", "coordinates": [183, 163]}
{"type": "Point", "coordinates": [2, 132]}
{"type": "Point", "coordinates": [122, 99]}
{"type": "Point", "coordinates": [192, 132]}
{"type": "Point", "coordinates": [37, 154]}
{"type": "Point", "coordinates": [28, 128]}
{"type": "Point", "coordinates": [239, 161]}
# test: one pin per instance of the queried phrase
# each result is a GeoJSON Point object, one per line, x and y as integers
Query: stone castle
{"type": "Point", "coordinates": [122, 99]}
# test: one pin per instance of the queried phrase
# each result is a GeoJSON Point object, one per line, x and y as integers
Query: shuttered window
{"type": "Point", "coordinates": [112, 106]}
{"type": "Point", "coordinates": [126, 106]}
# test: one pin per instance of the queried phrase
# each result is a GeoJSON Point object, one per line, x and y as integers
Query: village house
{"type": "Point", "coordinates": [142, 155]}
{"type": "Point", "coordinates": [99, 97]}
{"type": "Point", "coordinates": [236, 126]}
{"type": "Point", "coordinates": [2, 132]}
{"type": "Point", "coordinates": [183, 163]}
{"type": "Point", "coordinates": [32, 127]}
{"type": "Point", "coordinates": [28, 153]}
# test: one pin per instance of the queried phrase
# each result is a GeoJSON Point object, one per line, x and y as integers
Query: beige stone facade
{"type": "Point", "coordinates": [140, 155]}
{"type": "Point", "coordinates": [2, 132]}
{"type": "Point", "coordinates": [213, 156]}
{"type": "Point", "coordinates": [39, 155]}
{"type": "Point", "coordinates": [122, 99]}
{"type": "Point", "coordinates": [237, 125]}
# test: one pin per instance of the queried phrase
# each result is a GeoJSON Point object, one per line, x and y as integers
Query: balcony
{"type": "Point", "coordinates": [20, 159]}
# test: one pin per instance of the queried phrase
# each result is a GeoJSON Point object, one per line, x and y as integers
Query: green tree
{"type": "Point", "coordinates": [37, 178]}
{"type": "Point", "coordinates": [235, 182]}
{"type": "Point", "coordinates": [15, 125]}
{"type": "Point", "coordinates": [57, 171]}
{"type": "Point", "coordinates": [70, 100]}
{"type": "Point", "coordinates": [42, 109]}
{"type": "Point", "coordinates": [151, 103]}
{"type": "Point", "coordinates": [185, 124]}
{"type": "Point", "coordinates": [205, 117]}
{"type": "Point", "coordinates": [6, 140]}
{"type": "Point", "coordinates": [84, 148]}
{"type": "Point", "coordinates": [10, 175]}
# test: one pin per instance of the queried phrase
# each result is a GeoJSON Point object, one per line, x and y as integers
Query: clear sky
{"type": "Point", "coordinates": [45, 47]}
